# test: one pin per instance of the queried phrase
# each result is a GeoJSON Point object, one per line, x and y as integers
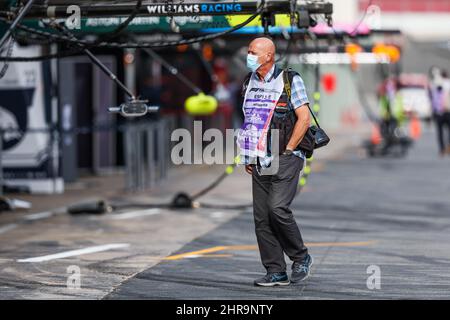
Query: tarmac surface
{"type": "Point", "coordinates": [377, 229]}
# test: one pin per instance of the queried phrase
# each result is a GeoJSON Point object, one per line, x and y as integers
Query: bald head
{"type": "Point", "coordinates": [264, 48]}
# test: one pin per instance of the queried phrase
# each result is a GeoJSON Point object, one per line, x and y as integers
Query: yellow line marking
{"type": "Point", "coordinates": [195, 253]}
{"type": "Point", "coordinates": [206, 252]}
{"type": "Point", "coordinates": [210, 256]}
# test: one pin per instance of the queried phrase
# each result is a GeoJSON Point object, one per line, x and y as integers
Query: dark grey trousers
{"type": "Point", "coordinates": [276, 230]}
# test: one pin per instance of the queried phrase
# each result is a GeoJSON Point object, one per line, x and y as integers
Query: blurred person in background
{"type": "Point", "coordinates": [440, 102]}
{"type": "Point", "coordinates": [392, 112]}
{"type": "Point", "coordinates": [446, 104]}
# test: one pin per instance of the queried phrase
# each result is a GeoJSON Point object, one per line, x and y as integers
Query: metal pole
{"type": "Point", "coordinates": [172, 127]}
{"type": "Point", "coordinates": [130, 155]}
{"type": "Point", "coordinates": [160, 152]}
{"type": "Point", "coordinates": [139, 159]}
{"type": "Point", "coordinates": [136, 177]}
{"type": "Point", "coordinates": [151, 155]}
{"type": "Point", "coordinates": [166, 139]}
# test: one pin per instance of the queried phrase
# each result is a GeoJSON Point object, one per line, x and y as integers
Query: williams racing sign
{"type": "Point", "coordinates": [194, 8]}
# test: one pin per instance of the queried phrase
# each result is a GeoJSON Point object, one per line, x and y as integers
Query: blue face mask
{"type": "Point", "coordinates": [252, 62]}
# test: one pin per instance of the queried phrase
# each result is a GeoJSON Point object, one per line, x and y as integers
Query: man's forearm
{"type": "Point", "coordinates": [300, 128]}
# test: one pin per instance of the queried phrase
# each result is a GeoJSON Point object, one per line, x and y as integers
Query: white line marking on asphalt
{"type": "Point", "coordinates": [217, 214]}
{"type": "Point", "coordinates": [39, 215]}
{"type": "Point", "coordinates": [135, 214]}
{"type": "Point", "coordinates": [78, 252]}
{"type": "Point", "coordinates": [8, 227]}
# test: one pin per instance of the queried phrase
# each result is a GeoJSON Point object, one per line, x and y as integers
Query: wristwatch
{"type": "Point", "coordinates": [288, 152]}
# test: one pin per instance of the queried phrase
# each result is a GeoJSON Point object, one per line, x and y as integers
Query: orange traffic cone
{"type": "Point", "coordinates": [375, 137]}
{"type": "Point", "coordinates": [415, 130]}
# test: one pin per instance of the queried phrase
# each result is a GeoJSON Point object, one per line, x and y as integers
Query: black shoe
{"type": "Point", "coordinates": [273, 279]}
{"type": "Point", "coordinates": [301, 270]}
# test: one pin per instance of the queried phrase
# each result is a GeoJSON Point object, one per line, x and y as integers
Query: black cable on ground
{"type": "Point", "coordinates": [225, 207]}
{"type": "Point", "coordinates": [211, 186]}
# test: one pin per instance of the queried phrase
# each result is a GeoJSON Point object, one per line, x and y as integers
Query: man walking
{"type": "Point", "coordinates": [267, 105]}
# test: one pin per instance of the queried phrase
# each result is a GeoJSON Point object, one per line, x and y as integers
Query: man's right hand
{"type": "Point", "coordinates": [249, 169]}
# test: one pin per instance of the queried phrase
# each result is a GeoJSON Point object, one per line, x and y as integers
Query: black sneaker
{"type": "Point", "coordinates": [273, 279]}
{"type": "Point", "coordinates": [301, 270]}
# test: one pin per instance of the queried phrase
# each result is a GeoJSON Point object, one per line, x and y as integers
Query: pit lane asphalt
{"type": "Point", "coordinates": [356, 214]}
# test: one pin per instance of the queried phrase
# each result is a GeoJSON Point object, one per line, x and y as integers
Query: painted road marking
{"type": "Point", "coordinates": [135, 214]}
{"type": "Point", "coordinates": [206, 252]}
{"type": "Point", "coordinates": [78, 252]}
{"type": "Point", "coordinates": [209, 256]}
{"type": "Point", "coordinates": [217, 214]}
{"type": "Point", "coordinates": [8, 227]}
{"type": "Point", "coordinates": [38, 216]}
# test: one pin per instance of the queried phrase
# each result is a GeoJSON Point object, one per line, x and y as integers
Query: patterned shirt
{"type": "Point", "coordinates": [299, 98]}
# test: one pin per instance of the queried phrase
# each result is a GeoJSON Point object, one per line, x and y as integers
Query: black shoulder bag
{"type": "Point", "coordinates": [315, 137]}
